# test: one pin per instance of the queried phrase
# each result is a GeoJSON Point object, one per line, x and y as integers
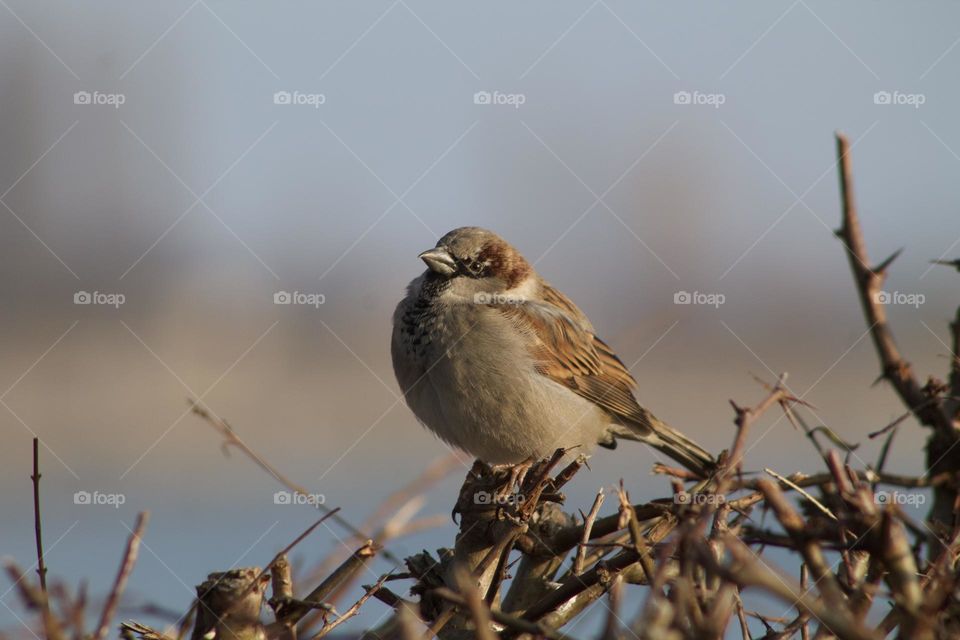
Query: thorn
{"type": "Point", "coordinates": [882, 267]}
{"type": "Point", "coordinates": [948, 263]}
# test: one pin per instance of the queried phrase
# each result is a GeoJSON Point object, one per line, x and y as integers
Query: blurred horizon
{"type": "Point", "coordinates": [198, 158]}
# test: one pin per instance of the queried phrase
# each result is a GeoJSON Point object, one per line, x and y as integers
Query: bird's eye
{"type": "Point", "coordinates": [474, 267]}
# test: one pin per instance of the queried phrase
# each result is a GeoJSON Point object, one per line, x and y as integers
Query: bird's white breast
{"type": "Point", "coordinates": [471, 380]}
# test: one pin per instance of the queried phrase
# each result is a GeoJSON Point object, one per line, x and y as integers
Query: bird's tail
{"type": "Point", "coordinates": [668, 440]}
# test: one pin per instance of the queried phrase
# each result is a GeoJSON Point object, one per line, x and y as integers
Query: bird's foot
{"type": "Point", "coordinates": [518, 474]}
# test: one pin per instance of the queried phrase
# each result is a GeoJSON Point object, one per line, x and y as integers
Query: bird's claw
{"type": "Point", "coordinates": [518, 474]}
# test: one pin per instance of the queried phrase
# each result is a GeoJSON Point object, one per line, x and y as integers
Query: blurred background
{"type": "Point", "coordinates": [178, 164]}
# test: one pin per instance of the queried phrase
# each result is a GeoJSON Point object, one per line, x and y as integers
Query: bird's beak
{"type": "Point", "coordinates": [439, 261]}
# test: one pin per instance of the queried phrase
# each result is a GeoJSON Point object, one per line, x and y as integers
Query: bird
{"type": "Point", "coordinates": [499, 363]}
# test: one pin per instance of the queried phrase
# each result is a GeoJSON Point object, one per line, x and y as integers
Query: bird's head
{"type": "Point", "coordinates": [476, 261]}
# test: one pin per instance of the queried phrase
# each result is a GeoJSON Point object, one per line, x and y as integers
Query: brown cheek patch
{"type": "Point", "coordinates": [505, 263]}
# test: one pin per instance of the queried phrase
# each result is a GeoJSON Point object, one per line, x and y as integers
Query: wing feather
{"type": "Point", "coordinates": [566, 350]}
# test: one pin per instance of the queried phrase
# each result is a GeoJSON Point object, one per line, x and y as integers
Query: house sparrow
{"type": "Point", "coordinates": [498, 363]}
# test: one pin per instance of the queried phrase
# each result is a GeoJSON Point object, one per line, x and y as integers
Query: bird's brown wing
{"type": "Point", "coordinates": [565, 349]}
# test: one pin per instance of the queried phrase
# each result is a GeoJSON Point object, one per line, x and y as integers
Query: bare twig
{"type": "Point", "coordinates": [353, 610]}
{"type": "Point", "coordinates": [800, 490]}
{"type": "Point", "coordinates": [142, 631]}
{"type": "Point", "coordinates": [611, 628]}
{"type": "Point", "coordinates": [746, 570]}
{"type": "Point", "coordinates": [50, 624]}
{"type": "Point", "coordinates": [33, 598]}
{"type": "Point", "coordinates": [587, 527]}
{"type": "Point", "coordinates": [745, 416]}
{"type": "Point", "coordinates": [281, 582]}
{"type": "Point", "coordinates": [518, 625]}
{"type": "Point", "coordinates": [572, 586]}
{"type": "Point", "coordinates": [479, 611]}
{"type": "Point", "coordinates": [229, 605]}
{"type": "Point", "coordinates": [344, 572]}
{"type": "Point", "coordinates": [257, 580]}
{"type": "Point", "coordinates": [231, 439]}
{"type": "Point", "coordinates": [742, 619]}
{"type": "Point", "coordinates": [435, 471]}
{"type": "Point", "coordinates": [41, 564]}
{"type": "Point", "coordinates": [123, 573]}
{"type": "Point", "coordinates": [869, 281]}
